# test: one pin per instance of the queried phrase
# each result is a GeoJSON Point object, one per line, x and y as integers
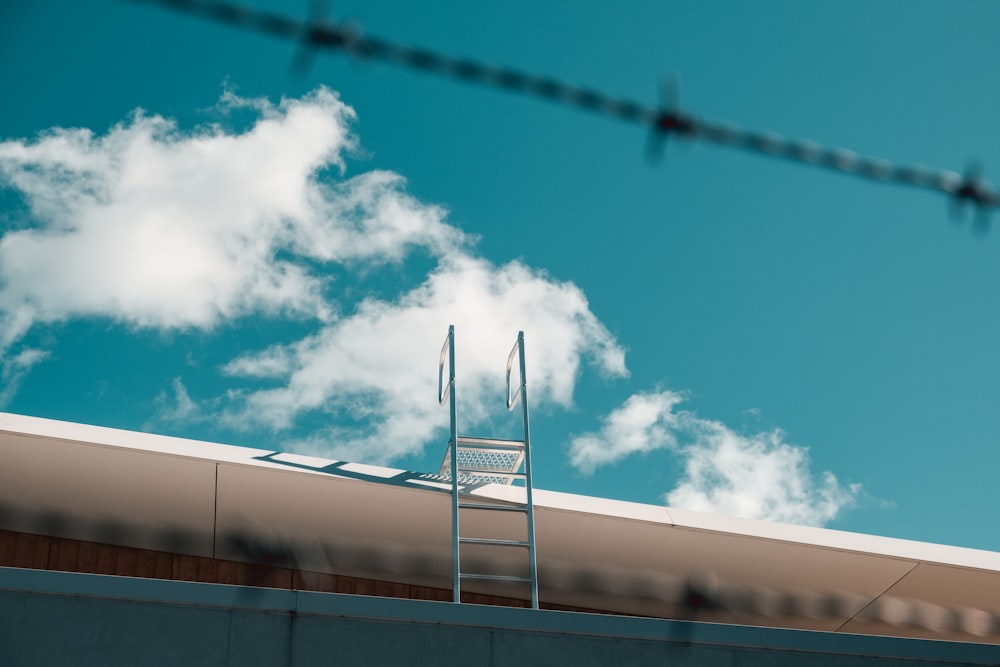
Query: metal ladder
{"type": "Point", "coordinates": [477, 460]}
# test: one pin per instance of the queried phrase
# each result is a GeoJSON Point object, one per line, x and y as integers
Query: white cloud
{"type": "Point", "coordinates": [181, 409]}
{"type": "Point", "coordinates": [14, 370]}
{"type": "Point", "coordinates": [157, 227]}
{"type": "Point", "coordinates": [758, 476]}
{"type": "Point", "coordinates": [643, 423]}
{"type": "Point", "coordinates": [378, 365]}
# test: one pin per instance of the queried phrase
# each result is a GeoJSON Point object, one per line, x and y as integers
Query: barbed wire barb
{"type": "Point", "coordinates": [319, 32]}
{"type": "Point", "coordinates": [305, 55]}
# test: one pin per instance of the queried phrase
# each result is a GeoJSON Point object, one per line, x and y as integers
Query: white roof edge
{"type": "Point", "coordinates": [113, 437]}
{"type": "Point", "coordinates": [824, 538]}
{"type": "Point", "coordinates": [894, 547]}
{"type": "Point", "coordinates": [827, 538]}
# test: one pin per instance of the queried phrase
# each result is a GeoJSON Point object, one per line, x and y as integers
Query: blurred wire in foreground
{"type": "Point", "coordinates": [319, 33]}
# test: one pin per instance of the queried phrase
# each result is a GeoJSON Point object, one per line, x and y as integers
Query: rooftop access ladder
{"type": "Point", "coordinates": [484, 460]}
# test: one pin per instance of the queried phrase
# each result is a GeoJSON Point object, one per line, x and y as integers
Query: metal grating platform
{"type": "Point", "coordinates": [485, 460]}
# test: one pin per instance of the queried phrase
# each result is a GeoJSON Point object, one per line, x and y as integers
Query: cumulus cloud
{"type": "Point", "coordinates": [643, 423]}
{"type": "Point", "coordinates": [759, 476]}
{"type": "Point", "coordinates": [377, 366]}
{"type": "Point", "coordinates": [158, 227]}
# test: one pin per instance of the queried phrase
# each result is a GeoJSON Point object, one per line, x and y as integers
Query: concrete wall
{"type": "Point", "coordinates": [57, 618]}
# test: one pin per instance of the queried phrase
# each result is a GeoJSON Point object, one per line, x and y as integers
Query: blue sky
{"type": "Point", "coordinates": [273, 261]}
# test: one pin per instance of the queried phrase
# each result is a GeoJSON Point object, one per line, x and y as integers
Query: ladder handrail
{"type": "Point", "coordinates": [518, 345]}
{"type": "Point", "coordinates": [443, 390]}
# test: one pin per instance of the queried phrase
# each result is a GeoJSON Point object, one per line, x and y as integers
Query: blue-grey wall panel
{"type": "Point", "coordinates": [54, 630]}
{"type": "Point", "coordinates": [58, 618]}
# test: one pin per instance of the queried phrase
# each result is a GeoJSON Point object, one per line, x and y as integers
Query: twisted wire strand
{"type": "Point", "coordinates": [661, 121]}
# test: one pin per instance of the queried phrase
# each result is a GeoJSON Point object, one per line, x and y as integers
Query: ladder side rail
{"type": "Point", "coordinates": [449, 345]}
{"type": "Point", "coordinates": [527, 475]}
{"type": "Point", "coordinates": [522, 393]}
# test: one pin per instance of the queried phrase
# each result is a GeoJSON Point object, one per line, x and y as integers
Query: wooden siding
{"type": "Point", "coordinates": [41, 552]}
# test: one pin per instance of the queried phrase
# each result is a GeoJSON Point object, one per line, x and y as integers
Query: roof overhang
{"type": "Point", "coordinates": [158, 492]}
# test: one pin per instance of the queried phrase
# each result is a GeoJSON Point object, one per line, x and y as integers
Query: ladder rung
{"type": "Point", "coordinates": [493, 577]}
{"type": "Point", "coordinates": [490, 443]}
{"type": "Point", "coordinates": [497, 508]}
{"type": "Point", "coordinates": [486, 472]}
{"type": "Point", "coordinates": [469, 440]}
{"type": "Point", "coordinates": [499, 543]}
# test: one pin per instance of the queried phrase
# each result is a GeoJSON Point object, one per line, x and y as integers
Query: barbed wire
{"type": "Point", "coordinates": [662, 121]}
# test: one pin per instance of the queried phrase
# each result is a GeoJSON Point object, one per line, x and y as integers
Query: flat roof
{"type": "Point", "coordinates": [236, 503]}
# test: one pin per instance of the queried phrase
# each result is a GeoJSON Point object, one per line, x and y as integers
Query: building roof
{"type": "Point", "coordinates": [221, 501]}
